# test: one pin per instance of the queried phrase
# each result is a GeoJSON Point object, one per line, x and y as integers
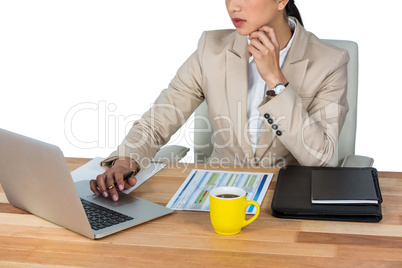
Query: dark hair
{"type": "Point", "coordinates": [291, 10]}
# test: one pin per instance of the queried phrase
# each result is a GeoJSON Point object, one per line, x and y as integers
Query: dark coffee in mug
{"type": "Point", "coordinates": [227, 196]}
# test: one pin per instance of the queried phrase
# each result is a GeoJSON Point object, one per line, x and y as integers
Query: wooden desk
{"type": "Point", "coordinates": [187, 239]}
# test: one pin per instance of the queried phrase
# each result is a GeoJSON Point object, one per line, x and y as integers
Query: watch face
{"type": "Point", "coordinates": [279, 88]}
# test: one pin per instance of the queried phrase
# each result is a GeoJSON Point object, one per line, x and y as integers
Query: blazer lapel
{"type": "Point", "coordinates": [236, 88]}
{"type": "Point", "coordinates": [295, 65]}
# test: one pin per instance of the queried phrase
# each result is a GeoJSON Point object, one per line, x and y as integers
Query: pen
{"type": "Point", "coordinates": [126, 177]}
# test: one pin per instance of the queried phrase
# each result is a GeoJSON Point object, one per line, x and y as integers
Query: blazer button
{"type": "Point", "coordinates": [278, 132]}
{"type": "Point", "coordinates": [274, 126]}
{"type": "Point", "coordinates": [266, 116]}
{"type": "Point", "coordinates": [270, 121]}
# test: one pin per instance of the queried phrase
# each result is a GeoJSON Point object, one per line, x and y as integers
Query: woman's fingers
{"type": "Point", "coordinates": [267, 40]}
{"type": "Point", "coordinates": [111, 181]}
{"type": "Point", "coordinates": [264, 47]}
{"type": "Point", "coordinates": [130, 182]}
{"type": "Point", "coordinates": [101, 184]}
{"type": "Point", "coordinates": [271, 34]}
{"type": "Point", "coordinates": [94, 187]}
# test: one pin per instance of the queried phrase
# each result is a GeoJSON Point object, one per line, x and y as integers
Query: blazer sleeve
{"type": "Point", "coordinates": [169, 112]}
{"type": "Point", "coordinates": [310, 131]}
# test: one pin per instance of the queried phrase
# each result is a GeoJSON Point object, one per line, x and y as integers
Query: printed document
{"type": "Point", "coordinates": [194, 192]}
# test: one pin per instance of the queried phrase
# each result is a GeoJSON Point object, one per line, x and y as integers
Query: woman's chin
{"type": "Point", "coordinates": [243, 32]}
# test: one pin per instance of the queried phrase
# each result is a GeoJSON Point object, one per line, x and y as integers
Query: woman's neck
{"type": "Point", "coordinates": [283, 32]}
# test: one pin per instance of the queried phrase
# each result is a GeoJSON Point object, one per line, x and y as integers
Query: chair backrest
{"type": "Point", "coordinates": [203, 138]}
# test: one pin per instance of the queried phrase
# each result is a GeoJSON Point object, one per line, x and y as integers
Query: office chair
{"type": "Point", "coordinates": [345, 153]}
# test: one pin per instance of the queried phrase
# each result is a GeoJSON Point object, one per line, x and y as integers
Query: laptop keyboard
{"type": "Point", "coordinates": [100, 217]}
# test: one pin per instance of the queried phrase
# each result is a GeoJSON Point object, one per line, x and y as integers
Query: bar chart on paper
{"type": "Point", "coordinates": [194, 192]}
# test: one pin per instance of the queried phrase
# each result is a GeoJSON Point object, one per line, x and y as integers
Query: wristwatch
{"type": "Point", "coordinates": [277, 89]}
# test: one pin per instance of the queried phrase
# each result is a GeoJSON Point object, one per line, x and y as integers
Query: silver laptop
{"type": "Point", "coordinates": [35, 177]}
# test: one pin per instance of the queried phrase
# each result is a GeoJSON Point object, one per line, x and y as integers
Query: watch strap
{"type": "Point", "coordinates": [273, 92]}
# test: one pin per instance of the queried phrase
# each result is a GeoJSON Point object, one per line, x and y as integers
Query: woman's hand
{"type": "Point", "coordinates": [114, 174]}
{"type": "Point", "coordinates": [264, 47]}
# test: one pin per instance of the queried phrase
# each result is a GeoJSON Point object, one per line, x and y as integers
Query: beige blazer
{"type": "Point", "coordinates": [302, 123]}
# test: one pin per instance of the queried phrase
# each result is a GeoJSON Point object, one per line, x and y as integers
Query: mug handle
{"type": "Point", "coordinates": [248, 203]}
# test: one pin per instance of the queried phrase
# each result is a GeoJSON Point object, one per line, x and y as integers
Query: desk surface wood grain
{"type": "Point", "coordinates": [187, 239]}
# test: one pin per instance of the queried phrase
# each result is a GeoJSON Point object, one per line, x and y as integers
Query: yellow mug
{"type": "Point", "coordinates": [227, 206]}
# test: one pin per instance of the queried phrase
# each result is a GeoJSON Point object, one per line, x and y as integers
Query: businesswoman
{"type": "Point", "coordinates": [276, 95]}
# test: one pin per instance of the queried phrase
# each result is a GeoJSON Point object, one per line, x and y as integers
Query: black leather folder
{"type": "Point", "coordinates": [293, 197]}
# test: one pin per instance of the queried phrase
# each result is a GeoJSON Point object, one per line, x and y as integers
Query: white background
{"type": "Point", "coordinates": [77, 73]}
